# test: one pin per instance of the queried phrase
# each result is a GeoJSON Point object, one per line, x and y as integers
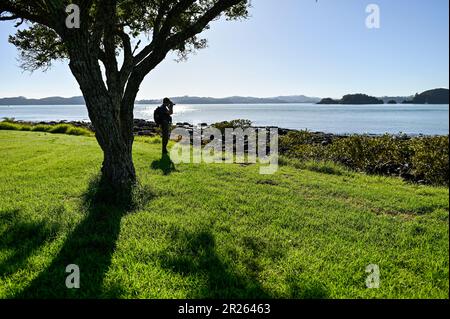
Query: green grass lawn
{"type": "Point", "coordinates": [210, 231]}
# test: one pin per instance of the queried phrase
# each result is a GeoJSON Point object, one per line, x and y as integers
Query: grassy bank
{"type": "Point", "coordinates": [213, 230]}
{"type": "Point", "coordinates": [11, 125]}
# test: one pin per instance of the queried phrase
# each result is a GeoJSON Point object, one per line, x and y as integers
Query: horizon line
{"type": "Point", "coordinates": [224, 97]}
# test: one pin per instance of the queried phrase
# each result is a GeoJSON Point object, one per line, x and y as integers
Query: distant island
{"type": "Point", "coordinates": [436, 96]}
{"type": "Point", "coordinates": [79, 100]}
{"type": "Point", "coordinates": [353, 99]}
{"type": "Point", "coordinates": [55, 100]}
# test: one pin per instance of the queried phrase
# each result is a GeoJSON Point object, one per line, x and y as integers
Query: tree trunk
{"type": "Point", "coordinates": [115, 137]}
{"type": "Point", "coordinates": [118, 170]}
{"type": "Point", "coordinates": [113, 124]}
{"type": "Point", "coordinates": [111, 117]}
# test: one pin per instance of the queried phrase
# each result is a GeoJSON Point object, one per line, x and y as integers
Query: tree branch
{"type": "Point", "coordinates": [160, 35]}
{"type": "Point", "coordinates": [17, 11]}
{"type": "Point", "coordinates": [201, 23]}
{"type": "Point", "coordinates": [128, 64]}
{"type": "Point", "coordinates": [158, 49]}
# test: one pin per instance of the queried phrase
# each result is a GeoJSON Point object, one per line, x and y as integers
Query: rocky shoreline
{"type": "Point", "coordinates": [149, 128]}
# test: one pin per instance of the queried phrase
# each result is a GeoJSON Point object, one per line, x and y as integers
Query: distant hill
{"type": "Point", "coordinates": [353, 99]}
{"type": "Point", "coordinates": [236, 100]}
{"type": "Point", "coordinates": [329, 100]}
{"type": "Point", "coordinates": [180, 100]}
{"type": "Point", "coordinates": [436, 96]}
{"type": "Point", "coordinates": [360, 99]}
{"type": "Point", "coordinates": [55, 100]}
{"type": "Point", "coordinates": [397, 99]}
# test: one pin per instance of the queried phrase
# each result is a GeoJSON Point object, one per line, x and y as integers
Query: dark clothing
{"type": "Point", "coordinates": [165, 132]}
{"type": "Point", "coordinates": [165, 114]}
{"type": "Point", "coordinates": [166, 123]}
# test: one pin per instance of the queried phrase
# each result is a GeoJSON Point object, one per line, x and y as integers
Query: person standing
{"type": "Point", "coordinates": [163, 118]}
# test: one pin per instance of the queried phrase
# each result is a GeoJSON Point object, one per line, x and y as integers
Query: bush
{"type": "Point", "coordinates": [424, 159]}
{"type": "Point", "coordinates": [59, 128]}
{"type": "Point", "coordinates": [6, 125]}
{"type": "Point", "coordinates": [375, 155]}
{"type": "Point", "coordinates": [74, 130]}
{"type": "Point", "coordinates": [69, 129]}
{"type": "Point", "coordinates": [431, 159]}
{"type": "Point", "coordinates": [41, 128]}
{"type": "Point", "coordinates": [240, 123]}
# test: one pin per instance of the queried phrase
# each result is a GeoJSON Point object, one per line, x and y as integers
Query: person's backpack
{"type": "Point", "coordinates": [157, 115]}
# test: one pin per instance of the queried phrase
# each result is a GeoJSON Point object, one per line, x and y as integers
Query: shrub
{"type": "Point", "coordinates": [59, 128]}
{"type": "Point", "coordinates": [66, 129]}
{"type": "Point", "coordinates": [240, 123]}
{"type": "Point", "coordinates": [375, 155]}
{"type": "Point", "coordinates": [74, 130]}
{"type": "Point", "coordinates": [291, 141]}
{"type": "Point", "coordinates": [424, 159]}
{"type": "Point", "coordinates": [25, 127]}
{"type": "Point", "coordinates": [41, 128]}
{"type": "Point", "coordinates": [431, 159]}
{"type": "Point", "coordinates": [5, 125]}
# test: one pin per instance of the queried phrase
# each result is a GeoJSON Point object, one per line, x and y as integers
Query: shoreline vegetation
{"type": "Point", "coordinates": [420, 159]}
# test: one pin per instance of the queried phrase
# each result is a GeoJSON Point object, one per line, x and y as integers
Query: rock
{"type": "Point", "coordinates": [146, 133]}
{"type": "Point", "coordinates": [147, 128]}
{"type": "Point", "coordinates": [139, 122]}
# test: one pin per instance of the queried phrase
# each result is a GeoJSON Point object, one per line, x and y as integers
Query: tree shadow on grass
{"type": "Point", "coordinates": [165, 164]}
{"type": "Point", "coordinates": [305, 288]}
{"type": "Point", "coordinates": [90, 246]}
{"type": "Point", "coordinates": [23, 237]}
{"type": "Point", "coordinates": [195, 254]}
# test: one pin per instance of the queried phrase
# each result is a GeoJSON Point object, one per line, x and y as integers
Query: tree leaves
{"type": "Point", "coordinates": [38, 46]}
{"type": "Point", "coordinates": [160, 20]}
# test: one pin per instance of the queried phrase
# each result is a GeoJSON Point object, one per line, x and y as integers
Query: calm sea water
{"type": "Point", "coordinates": [376, 119]}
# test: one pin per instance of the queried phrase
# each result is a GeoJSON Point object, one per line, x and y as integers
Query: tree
{"type": "Point", "coordinates": [106, 58]}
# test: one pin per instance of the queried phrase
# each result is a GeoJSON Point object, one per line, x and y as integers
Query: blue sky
{"type": "Point", "coordinates": [287, 47]}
